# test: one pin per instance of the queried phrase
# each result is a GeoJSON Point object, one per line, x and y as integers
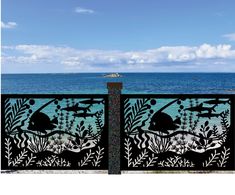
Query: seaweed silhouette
{"type": "Point", "coordinates": [140, 158]}
{"type": "Point", "coordinates": [13, 114]}
{"type": "Point", "coordinates": [53, 161]}
{"type": "Point", "coordinates": [218, 158]}
{"type": "Point", "coordinates": [205, 132]}
{"type": "Point", "coordinates": [20, 158]}
{"type": "Point", "coordinates": [38, 144]}
{"type": "Point", "coordinates": [92, 158]}
{"type": "Point", "coordinates": [128, 152]}
{"type": "Point", "coordinates": [175, 148]}
{"type": "Point", "coordinates": [225, 125]}
{"type": "Point", "coordinates": [8, 149]}
{"type": "Point", "coordinates": [133, 114]}
{"type": "Point", "coordinates": [176, 161]}
{"type": "Point", "coordinates": [152, 160]}
{"type": "Point", "coordinates": [224, 157]}
{"type": "Point", "coordinates": [212, 159]}
{"type": "Point", "coordinates": [30, 160]}
{"type": "Point", "coordinates": [160, 145]}
{"type": "Point", "coordinates": [99, 122]}
{"type": "Point", "coordinates": [87, 159]}
{"type": "Point", "coordinates": [51, 147]}
{"type": "Point", "coordinates": [98, 157]}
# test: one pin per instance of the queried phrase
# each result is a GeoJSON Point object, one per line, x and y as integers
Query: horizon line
{"type": "Point", "coordinates": [117, 72]}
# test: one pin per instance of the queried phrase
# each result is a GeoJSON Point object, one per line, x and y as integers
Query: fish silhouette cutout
{"type": "Point", "coordinates": [92, 101]}
{"type": "Point", "coordinates": [76, 108]}
{"type": "Point", "coordinates": [200, 108]}
{"type": "Point", "coordinates": [217, 101]}
{"type": "Point", "coordinates": [41, 122]}
{"type": "Point", "coordinates": [163, 122]}
{"type": "Point", "coordinates": [84, 115]}
{"type": "Point", "coordinates": [209, 115]}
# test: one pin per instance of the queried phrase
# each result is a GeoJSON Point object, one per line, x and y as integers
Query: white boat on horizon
{"type": "Point", "coordinates": [112, 75]}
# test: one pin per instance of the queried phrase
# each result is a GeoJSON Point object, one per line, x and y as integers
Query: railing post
{"type": "Point", "coordinates": [114, 92]}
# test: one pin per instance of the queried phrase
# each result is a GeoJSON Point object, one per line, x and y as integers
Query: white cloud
{"type": "Point", "coordinates": [179, 58]}
{"type": "Point", "coordinates": [8, 25]}
{"type": "Point", "coordinates": [230, 37]}
{"type": "Point", "coordinates": [82, 10]}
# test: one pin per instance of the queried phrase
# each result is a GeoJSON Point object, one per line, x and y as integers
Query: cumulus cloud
{"type": "Point", "coordinates": [82, 10]}
{"type": "Point", "coordinates": [179, 58]}
{"type": "Point", "coordinates": [8, 25]}
{"type": "Point", "coordinates": [230, 37]}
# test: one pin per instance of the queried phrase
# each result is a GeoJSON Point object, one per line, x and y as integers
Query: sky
{"type": "Point", "coordinates": [57, 36]}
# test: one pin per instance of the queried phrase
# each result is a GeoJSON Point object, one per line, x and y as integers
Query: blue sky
{"type": "Point", "coordinates": [118, 35]}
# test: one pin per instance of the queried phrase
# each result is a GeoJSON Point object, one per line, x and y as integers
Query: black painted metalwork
{"type": "Point", "coordinates": [177, 132]}
{"type": "Point", "coordinates": [54, 132]}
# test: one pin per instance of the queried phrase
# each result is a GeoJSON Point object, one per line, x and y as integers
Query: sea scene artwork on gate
{"type": "Point", "coordinates": [54, 132]}
{"type": "Point", "coordinates": [185, 132]}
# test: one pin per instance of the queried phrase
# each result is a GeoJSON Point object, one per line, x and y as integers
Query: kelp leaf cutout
{"type": "Point", "coordinates": [133, 114]}
{"type": "Point", "coordinates": [128, 152]}
{"type": "Point", "coordinates": [13, 114]}
{"type": "Point", "coordinates": [53, 161]}
{"type": "Point", "coordinates": [19, 158]}
{"type": "Point", "coordinates": [212, 159]}
{"type": "Point", "coordinates": [30, 160]}
{"type": "Point", "coordinates": [8, 149]}
{"type": "Point", "coordinates": [219, 158]}
{"type": "Point", "coordinates": [224, 157]}
{"type": "Point", "coordinates": [152, 160]}
{"type": "Point", "coordinates": [99, 122]}
{"type": "Point", "coordinates": [176, 161]}
{"type": "Point", "coordinates": [139, 160]}
{"type": "Point", "coordinates": [98, 157]}
{"type": "Point", "coordinates": [87, 159]}
{"type": "Point", "coordinates": [224, 121]}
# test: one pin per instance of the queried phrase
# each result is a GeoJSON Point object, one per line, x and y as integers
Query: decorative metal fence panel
{"type": "Point", "coordinates": [54, 132]}
{"type": "Point", "coordinates": [177, 132]}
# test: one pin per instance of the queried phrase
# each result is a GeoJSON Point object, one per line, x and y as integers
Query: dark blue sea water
{"type": "Point", "coordinates": [95, 83]}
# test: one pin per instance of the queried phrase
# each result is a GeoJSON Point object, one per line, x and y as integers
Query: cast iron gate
{"type": "Point", "coordinates": [54, 132]}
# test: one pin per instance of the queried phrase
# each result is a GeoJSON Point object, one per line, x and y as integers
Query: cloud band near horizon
{"type": "Point", "coordinates": [52, 59]}
{"type": "Point", "coordinates": [8, 25]}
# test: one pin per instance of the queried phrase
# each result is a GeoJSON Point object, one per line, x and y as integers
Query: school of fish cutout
{"type": "Point", "coordinates": [200, 108]}
{"type": "Point", "coordinates": [217, 101]}
{"type": "Point", "coordinates": [84, 114]}
{"type": "Point", "coordinates": [209, 114]}
{"type": "Point", "coordinates": [92, 101]}
{"type": "Point", "coordinates": [76, 108]}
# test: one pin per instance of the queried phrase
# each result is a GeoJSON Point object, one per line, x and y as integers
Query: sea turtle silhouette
{"type": "Point", "coordinates": [163, 122]}
{"type": "Point", "coordinates": [41, 122]}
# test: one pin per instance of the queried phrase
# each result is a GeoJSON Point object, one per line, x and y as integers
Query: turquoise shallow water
{"type": "Point", "coordinates": [95, 83]}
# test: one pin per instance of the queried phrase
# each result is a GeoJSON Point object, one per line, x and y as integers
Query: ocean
{"type": "Point", "coordinates": [164, 115]}
{"type": "Point", "coordinates": [133, 83]}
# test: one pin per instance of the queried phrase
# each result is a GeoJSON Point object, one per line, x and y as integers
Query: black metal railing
{"type": "Point", "coordinates": [54, 132]}
{"type": "Point", "coordinates": [117, 132]}
{"type": "Point", "coordinates": [177, 132]}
